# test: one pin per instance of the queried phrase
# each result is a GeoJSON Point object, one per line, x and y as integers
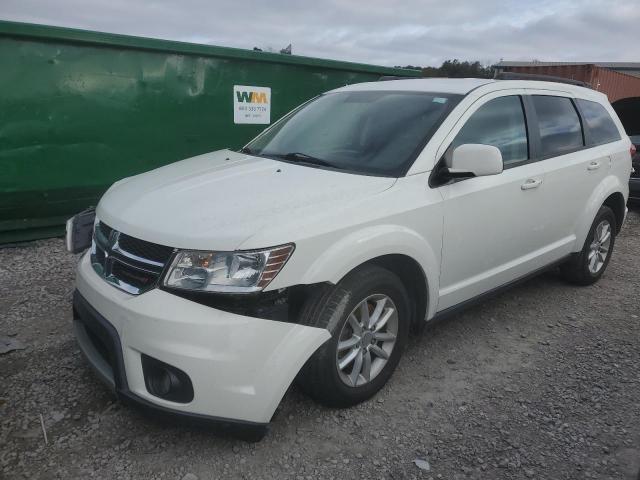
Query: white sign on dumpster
{"type": "Point", "coordinates": [251, 104]}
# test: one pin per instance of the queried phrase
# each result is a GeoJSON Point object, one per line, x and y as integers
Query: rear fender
{"type": "Point", "coordinates": [609, 185]}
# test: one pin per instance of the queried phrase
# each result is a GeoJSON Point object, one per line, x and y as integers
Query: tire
{"type": "Point", "coordinates": [321, 377]}
{"type": "Point", "coordinates": [577, 270]}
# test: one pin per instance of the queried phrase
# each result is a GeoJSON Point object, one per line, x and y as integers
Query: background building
{"type": "Point", "coordinates": [619, 80]}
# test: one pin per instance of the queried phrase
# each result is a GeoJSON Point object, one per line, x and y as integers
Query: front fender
{"type": "Point", "coordinates": [609, 185]}
{"type": "Point", "coordinates": [358, 247]}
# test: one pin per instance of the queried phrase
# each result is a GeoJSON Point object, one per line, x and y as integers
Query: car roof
{"type": "Point", "coordinates": [443, 85]}
{"type": "Point", "coordinates": [463, 86]}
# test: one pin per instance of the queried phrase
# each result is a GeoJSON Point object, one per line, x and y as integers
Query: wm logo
{"type": "Point", "coordinates": [251, 97]}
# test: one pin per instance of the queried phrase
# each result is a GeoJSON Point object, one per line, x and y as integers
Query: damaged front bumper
{"type": "Point", "coordinates": [239, 367]}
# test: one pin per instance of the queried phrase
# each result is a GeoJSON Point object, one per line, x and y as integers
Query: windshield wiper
{"type": "Point", "coordinates": [304, 158]}
{"type": "Point", "coordinates": [297, 157]}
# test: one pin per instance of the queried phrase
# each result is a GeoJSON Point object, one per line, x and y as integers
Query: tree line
{"type": "Point", "coordinates": [455, 69]}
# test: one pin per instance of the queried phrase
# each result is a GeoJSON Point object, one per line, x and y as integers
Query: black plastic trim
{"type": "Point", "coordinates": [533, 132]}
{"type": "Point", "coordinates": [454, 309]}
{"type": "Point", "coordinates": [634, 189]}
{"type": "Point", "coordinates": [538, 77]}
{"type": "Point", "coordinates": [441, 176]}
{"type": "Point", "coordinates": [99, 326]}
{"type": "Point", "coordinates": [151, 367]}
{"type": "Point", "coordinates": [528, 129]}
{"type": "Point", "coordinates": [92, 354]}
{"type": "Point", "coordinates": [586, 132]}
{"type": "Point", "coordinates": [282, 305]}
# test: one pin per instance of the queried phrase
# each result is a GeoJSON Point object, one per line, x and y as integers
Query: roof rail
{"type": "Point", "coordinates": [544, 78]}
{"type": "Point", "coordinates": [385, 78]}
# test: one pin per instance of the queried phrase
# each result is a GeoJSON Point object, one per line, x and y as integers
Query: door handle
{"type": "Point", "coordinates": [531, 183]}
{"type": "Point", "coordinates": [593, 166]}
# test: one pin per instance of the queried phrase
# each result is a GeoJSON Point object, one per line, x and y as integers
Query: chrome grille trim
{"type": "Point", "coordinates": [119, 249]}
{"type": "Point", "coordinates": [107, 255]}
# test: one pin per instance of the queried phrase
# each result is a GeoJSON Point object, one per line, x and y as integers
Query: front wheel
{"type": "Point", "coordinates": [588, 266]}
{"type": "Point", "coordinates": [368, 316]}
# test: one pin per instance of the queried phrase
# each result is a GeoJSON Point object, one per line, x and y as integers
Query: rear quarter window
{"type": "Point", "coordinates": [599, 123]}
{"type": "Point", "coordinates": [559, 125]}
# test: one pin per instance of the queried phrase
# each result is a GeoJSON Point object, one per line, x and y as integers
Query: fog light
{"type": "Point", "coordinates": [166, 381]}
{"type": "Point", "coordinates": [163, 382]}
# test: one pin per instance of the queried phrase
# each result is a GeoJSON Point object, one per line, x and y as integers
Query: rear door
{"type": "Point", "coordinates": [575, 161]}
{"type": "Point", "coordinates": [494, 226]}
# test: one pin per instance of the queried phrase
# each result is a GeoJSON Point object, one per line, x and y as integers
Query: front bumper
{"type": "Point", "coordinates": [240, 367]}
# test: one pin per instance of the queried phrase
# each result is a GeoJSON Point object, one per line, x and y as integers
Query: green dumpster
{"type": "Point", "coordinates": [80, 110]}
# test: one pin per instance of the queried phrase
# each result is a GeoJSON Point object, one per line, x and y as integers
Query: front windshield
{"type": "Point", "coordinates": [369, 132]}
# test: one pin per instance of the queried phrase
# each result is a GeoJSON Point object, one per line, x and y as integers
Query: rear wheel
{"type": "Point", "coordinates": [588, 266]}
{"type": "Point", "coordinates": [368, 316]}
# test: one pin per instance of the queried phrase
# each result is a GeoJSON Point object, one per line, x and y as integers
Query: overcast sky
{"type": "Point", "coordinates": [384, 32]}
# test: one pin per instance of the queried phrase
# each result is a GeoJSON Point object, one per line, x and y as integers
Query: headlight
{"type": "Point", "coordinates": [229, 272]}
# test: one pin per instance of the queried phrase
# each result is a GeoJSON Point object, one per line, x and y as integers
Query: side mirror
{"type": "Point", "coordinates": [477, 159]}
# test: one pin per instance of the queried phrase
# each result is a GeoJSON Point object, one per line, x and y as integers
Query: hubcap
{"type": "Point", "coordinates": [599, 249]}
{"type": "Point", "coordinates": [367, 340]}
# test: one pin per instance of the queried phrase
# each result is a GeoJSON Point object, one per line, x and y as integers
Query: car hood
{"type": "Point", "coordinates": [219, 200]}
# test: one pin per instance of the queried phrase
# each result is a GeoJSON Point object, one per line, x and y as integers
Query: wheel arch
{"type": "Point", "coordinates": [399, 249]}
{"type": "Point", "coordinates": [609, 193]}
{"type": "Point", "coordinates": [616, 202]}
{"type": "Point", "coordinates": [414, 280]}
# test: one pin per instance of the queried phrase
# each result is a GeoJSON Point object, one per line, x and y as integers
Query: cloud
{"type": "Point", "coordinates": [385, 32]}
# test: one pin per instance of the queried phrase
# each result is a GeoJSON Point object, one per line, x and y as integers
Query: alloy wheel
{"type": "Point", "coordinates": [599, 248]}
{"type": "Point", "coordinates": [366, 340]}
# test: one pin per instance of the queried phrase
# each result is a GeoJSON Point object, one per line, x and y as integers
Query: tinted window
{"type": "Point", "coordinates": [599, 122]}
{"type": "Point", "coordinates": [499, 122]}
{"type": "Point", "coordinates": [560, 130]}
{"type": "Point", "coordinates": [376, 132]}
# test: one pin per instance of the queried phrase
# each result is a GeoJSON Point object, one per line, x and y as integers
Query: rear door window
{"type": "Point", "coordinates": [499, 122]}
{"type": "Point", "coordinates": [559, 125]}
{"type": "Point", "coordinates": [599, 122]}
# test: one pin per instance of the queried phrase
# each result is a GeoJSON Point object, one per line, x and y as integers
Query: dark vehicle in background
{"type": "Point", "coordinates": [634, 181]}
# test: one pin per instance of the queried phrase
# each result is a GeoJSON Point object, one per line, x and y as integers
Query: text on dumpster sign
{"type": "Point", "coordinates": [251, 104]}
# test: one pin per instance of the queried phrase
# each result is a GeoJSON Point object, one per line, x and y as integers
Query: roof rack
{"type": "Point", "coordinates": [544, 78]}
{"type": "Point", "coordinates": [385, 78]}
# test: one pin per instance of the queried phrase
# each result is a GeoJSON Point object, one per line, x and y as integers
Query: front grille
{"type": "Point", "coordinates": [144, 249]}
{"type": "Point", "coordinates": [128, 263]}
{"type": "Point", "coordinates": [140, 279]}
{"type": "Point", "coordinates": [98, 255]}
{"type": "Point", "coordinates": [105, 229]}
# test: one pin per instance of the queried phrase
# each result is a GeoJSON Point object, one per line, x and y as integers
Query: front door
{"type": "Point", "coordinates": [494, 226]}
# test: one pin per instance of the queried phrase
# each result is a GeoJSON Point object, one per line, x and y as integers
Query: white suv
{"type": "Point", "coordinates": [214, 282]}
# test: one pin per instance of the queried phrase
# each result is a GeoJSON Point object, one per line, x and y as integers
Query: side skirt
{"type": "Point", "coordinates": [455, 309]}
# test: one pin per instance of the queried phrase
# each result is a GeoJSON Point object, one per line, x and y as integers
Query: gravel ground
{"type": "Point", "coordinates": [541, 382]}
